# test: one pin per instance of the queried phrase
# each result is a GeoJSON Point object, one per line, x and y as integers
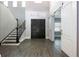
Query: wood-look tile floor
{"type": "Point", "coordinates": [33, 48]}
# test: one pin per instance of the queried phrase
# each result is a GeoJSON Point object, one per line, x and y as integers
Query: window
{"type": "Point", "coordinates": [23, 3]}
{"type": "Point", "coordinates": [6, 3]}
{"type": "Point", "coordinates": [14, 3]}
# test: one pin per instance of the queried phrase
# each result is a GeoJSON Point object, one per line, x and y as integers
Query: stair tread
{"type": "Point", "coordinates": [11, 36]}
{"type": "Point", "coordinates": [10, 39]}
{"type": "Point", "coordinates": [8, 42]}
{"type": "Point", "coordinates": [15, 34]}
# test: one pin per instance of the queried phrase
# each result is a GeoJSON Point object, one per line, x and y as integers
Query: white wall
{"type": "Point", "coordinates": [69, 28]}
{"type": "Point", "coordinates": [7, 21]}
{"type": "Point", "coordinates": [32, 6]}
{"type": "Point", "coordinates": [19, 12]}
{"type": "Point", "coordinates": [54, 5]}
{"type": "Point", "coordinates": [51, 28]}
{"type": "Point", "coordinates": [36, 11]}
{"type": "Point", "coordinates": [32, 10]}
{"type": "Point", "coordinates": [35, 15]}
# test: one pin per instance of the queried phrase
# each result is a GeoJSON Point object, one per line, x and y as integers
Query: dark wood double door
{"type": "Point", "coordinates": [37, 28]}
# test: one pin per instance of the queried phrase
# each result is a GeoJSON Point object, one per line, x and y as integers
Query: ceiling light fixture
{"type": "Point", "coordinates": [38, 1]}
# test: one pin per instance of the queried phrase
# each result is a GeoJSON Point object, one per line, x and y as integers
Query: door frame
{"type": "Point", "coordinates": [45, 26]}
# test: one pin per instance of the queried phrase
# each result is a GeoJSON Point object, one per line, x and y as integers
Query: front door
{"type": "Point", "coordinates": [37, 28]}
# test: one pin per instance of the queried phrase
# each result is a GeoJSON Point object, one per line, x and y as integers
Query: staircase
{"type": "Point", "coordinates": [10, 39]}
{"type": "Point", "coordinates": [13, 37]}
{"type": "Point", "coordinates": [15, 30]}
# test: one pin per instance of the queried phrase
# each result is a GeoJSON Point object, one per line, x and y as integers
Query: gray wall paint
{"type": "Point", "coordinates": [18, 12]}
{"type": "Point", "coordinates": [7, 21]}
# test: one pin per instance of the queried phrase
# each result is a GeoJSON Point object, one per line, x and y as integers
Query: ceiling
{"type": "Point", "coordinates": [31, 5]}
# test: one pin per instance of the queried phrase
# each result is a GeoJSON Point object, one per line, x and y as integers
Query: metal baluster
{"type": "Point", "coordinates": [17, 38]}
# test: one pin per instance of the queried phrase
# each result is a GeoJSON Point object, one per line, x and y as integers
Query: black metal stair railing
{"type": "Point", "coordinates": [20, 29]}
{"type": "Point", "coordinates": [15, 34]}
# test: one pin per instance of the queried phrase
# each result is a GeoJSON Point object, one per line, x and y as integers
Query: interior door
{"type": "Point", "coordinates": [68, 25]}
{"type": "Point", "coordinates": [37, 28]}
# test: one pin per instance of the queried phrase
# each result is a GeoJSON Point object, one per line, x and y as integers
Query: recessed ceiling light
{"type": "Point", "coordinates": [38, 1]}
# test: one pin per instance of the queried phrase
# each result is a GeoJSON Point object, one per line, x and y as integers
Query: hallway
{"type": "Point", "coordinates": [33, 48]}
{"type": "Point", "coordinates": [39, 29]}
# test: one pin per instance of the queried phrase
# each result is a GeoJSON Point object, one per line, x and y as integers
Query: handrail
{"type": "Point", "coordinates": [7, 35]}
{"type": "Point", "coordinates": [19, 30]}
{"type": "Point", "coordinates": [10, 18]}
{"type": "Point", "coordinates": [22, 27]}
